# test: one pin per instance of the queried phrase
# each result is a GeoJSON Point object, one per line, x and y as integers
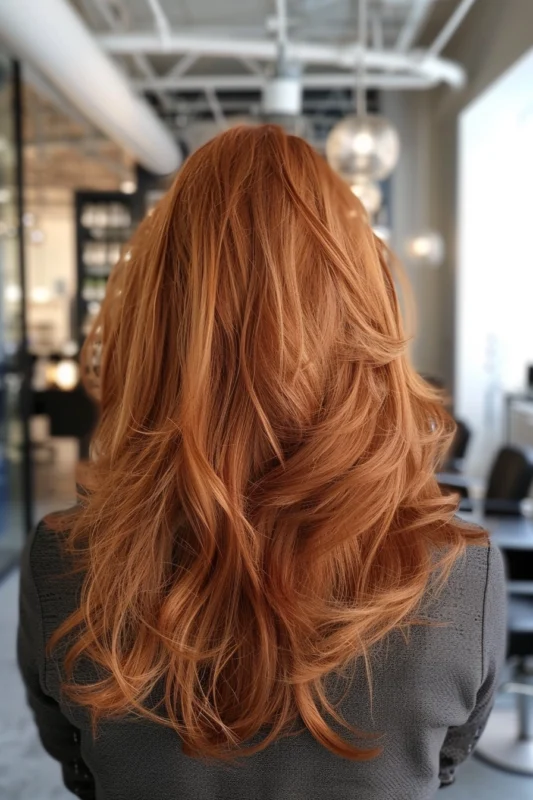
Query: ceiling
{"type": "Point", "coordinates": [179, 84]}
{"type": "Point", "coordinates": [191, 89]}
{"type": "Point", "coordinates": [308, 19]}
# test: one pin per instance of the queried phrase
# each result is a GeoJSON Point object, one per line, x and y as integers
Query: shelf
{"type": "Point", "coordinates": [104, 223]}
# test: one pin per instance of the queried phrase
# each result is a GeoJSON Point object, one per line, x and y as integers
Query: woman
{"type": "Point", "coordinates": [264, 594]}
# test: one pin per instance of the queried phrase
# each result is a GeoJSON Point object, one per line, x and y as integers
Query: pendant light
{"type": "Point", "coordinates": [363, 145]}
{"type": "Point", "coordinates": [283, 93]}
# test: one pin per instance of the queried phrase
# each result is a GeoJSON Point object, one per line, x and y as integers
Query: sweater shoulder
{"type": "Point", "coordinates": [56, 579]}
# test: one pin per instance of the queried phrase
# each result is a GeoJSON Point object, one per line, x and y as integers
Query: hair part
{"type": "Point", "coordinates": [263, 506]}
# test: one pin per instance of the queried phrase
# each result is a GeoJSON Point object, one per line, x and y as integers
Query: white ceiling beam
{"type": "Point", "coordinates": [362, 36]}
{"type": "Point", "coordinates": [329, 80]}
{"type": "Point", "coordinates": [108, 16]}
{"type": "Point", "coordinates": [414, 23]}
{"type": "Point", "coordinates": [238, 104]}
{"type": "Point", "coordinates": [450, 28]}
{"type": "Point", "coordinates": [376, 27]}
{"type": "Point", "coordinates": [282, 23]}
{"type": "Point", "coordinates": [145, 67]}
{"type": "Point", "coordinates": [252, 65]}
{"type": "Point", "coordinates": [196, 42]}
{"type": "Point", "coordinates": [139, 59]}
{"type": "Point", "coordinates": [347, 56]}
{"type": "Point", "coordinates": [316, 113]}
{"type": "Point", "coordinates": [160, 18]}
{"type": "Point", "coordinates": [215, 107]}
{"type": "Point", "coordinates": [184, 64]}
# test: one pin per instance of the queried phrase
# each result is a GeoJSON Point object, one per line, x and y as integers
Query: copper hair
{"type": "Point", "coordinates": [263, 507]}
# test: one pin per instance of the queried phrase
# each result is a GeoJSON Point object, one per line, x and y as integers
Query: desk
{"type": "Point", "coordinates": [509, 533]}
{"type": "Point", "coordinates": [506, 742]}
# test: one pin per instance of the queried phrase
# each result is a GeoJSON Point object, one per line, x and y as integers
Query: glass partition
{"type": "Point", "coordinates": [15, 516]}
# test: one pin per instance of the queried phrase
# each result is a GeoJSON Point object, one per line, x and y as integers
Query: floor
{"type": "Point", "coordinates": [26, 771]}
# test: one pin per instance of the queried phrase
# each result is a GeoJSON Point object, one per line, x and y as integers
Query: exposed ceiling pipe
{"type": "Point", "coordinates": [52, 37]}
{"type": "Point", "coordinates": [264, 49]}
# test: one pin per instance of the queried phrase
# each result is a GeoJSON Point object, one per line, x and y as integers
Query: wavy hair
{"type": "Point", "coordinates": [263, 507]}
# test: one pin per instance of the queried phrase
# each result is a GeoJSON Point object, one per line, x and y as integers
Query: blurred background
{"type": "Point", "coordinates": [424, 106]}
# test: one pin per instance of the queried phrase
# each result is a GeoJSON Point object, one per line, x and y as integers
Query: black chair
{"type": "Point", "coordinates": [510, 479]}
{"type": "Point", "coordinates": [508, 485]}
{"type": "Point", "coordinates": [72, 414]}
{"type": "Point", "coordinates": [508, 739]}
{"type": "Point", "coordinates": [457, 452]}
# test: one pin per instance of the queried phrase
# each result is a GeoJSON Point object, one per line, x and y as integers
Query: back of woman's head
{"type": "Point", "coordinates": [263, 507]}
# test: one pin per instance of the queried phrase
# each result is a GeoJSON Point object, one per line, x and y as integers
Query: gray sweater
{"type": "Point", "coordinates": [432, 694]}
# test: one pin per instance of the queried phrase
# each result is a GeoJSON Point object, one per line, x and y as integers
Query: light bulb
{"type": "Point", "coordinates": [67, 374]}
{"type": "Point", "coordinates": [363, 143]}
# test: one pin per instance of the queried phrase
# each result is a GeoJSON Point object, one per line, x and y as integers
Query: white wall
{"type": "Point", "coordinates": [410, 215]}
{"type": "Point", "coordinates": [494, 320]}
{"type": "Point", "coordinates": [493, 36]}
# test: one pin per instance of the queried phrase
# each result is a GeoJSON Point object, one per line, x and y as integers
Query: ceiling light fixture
{"type": "Point", "coordinates": [363, 145]}
{"type": "Point", "coordinates": [283, 93]}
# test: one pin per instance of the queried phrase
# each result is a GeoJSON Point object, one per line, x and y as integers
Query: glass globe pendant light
{"type": "Point", "coordinates": [363, 145]}
{"type": "Point", "coordinates": [369, 194]}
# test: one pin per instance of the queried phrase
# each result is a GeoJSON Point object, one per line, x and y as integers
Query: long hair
{"type": "Point", "coordinates": [263, 507]}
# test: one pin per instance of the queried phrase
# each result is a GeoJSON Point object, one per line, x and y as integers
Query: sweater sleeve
{"type": "Point", "coordinates": [59, 737]}
{"type": "Point", "coordinates": [460, 741]}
